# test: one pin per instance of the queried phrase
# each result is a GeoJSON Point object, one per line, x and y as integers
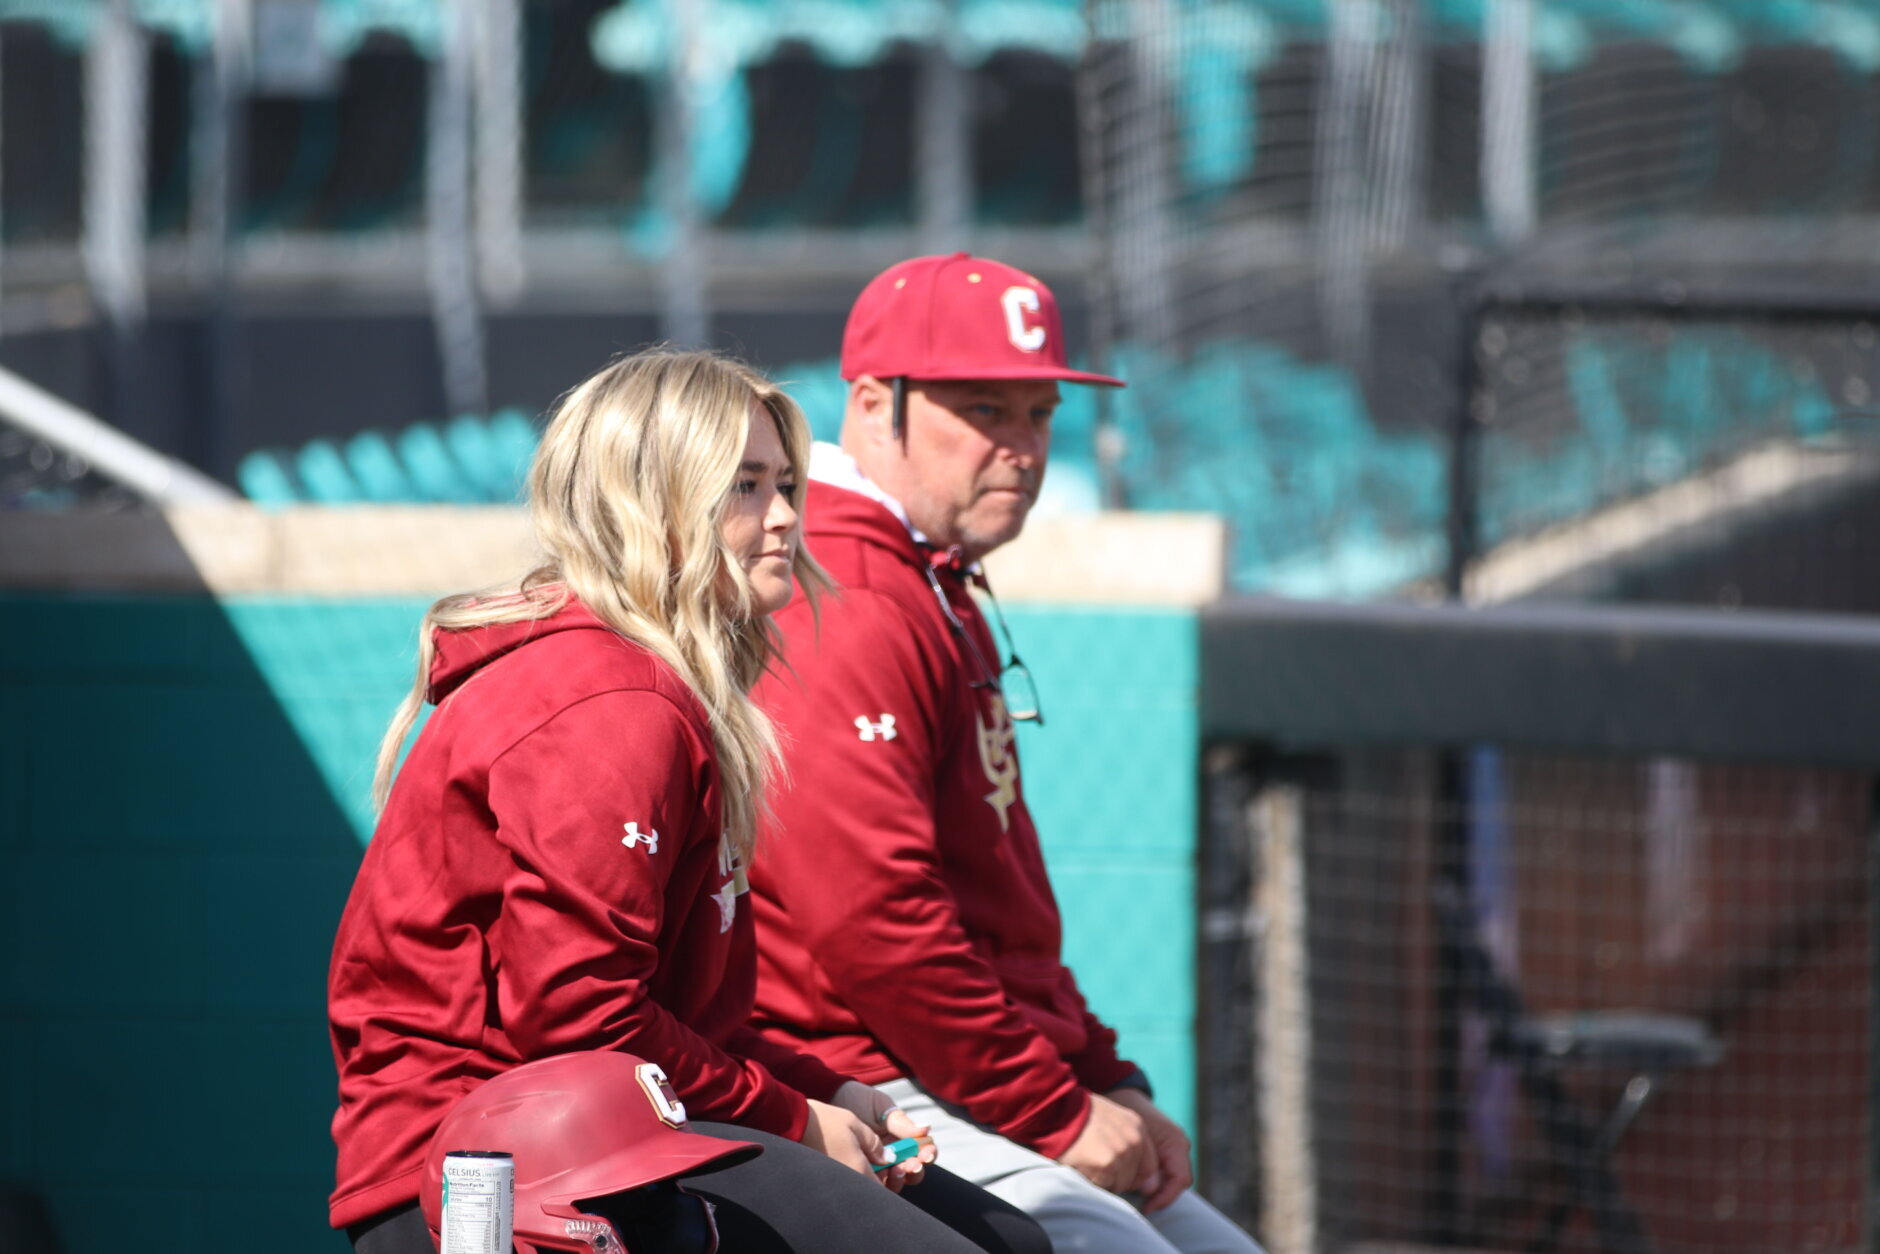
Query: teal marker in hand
{"type": "Point", "coordinates": [903, 1149]}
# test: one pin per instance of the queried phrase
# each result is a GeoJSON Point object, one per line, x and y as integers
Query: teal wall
{"type": "Point", "coordinates": [175, 866]}
{"type": "Point", "coordinates": [183, 794]}
{"type": "Point", "coordinates": [1112, 781]}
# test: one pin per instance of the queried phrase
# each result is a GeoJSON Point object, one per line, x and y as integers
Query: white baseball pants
{"type": "Point", "coordinates": [1079, 1217]}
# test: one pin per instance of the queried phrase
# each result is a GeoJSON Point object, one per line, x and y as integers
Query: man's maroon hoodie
{"type": "Point", "coordinates": [907, 924]}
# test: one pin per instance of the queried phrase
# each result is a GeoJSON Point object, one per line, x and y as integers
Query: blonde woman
{"type": "Point", "coordinates": [559, 863]}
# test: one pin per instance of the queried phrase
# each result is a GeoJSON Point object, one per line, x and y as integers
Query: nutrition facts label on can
{"type": "Point", "coordinates": [478, 1203]}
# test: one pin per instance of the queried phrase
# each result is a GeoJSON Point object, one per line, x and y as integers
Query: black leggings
{"type": "Point", "coordinates": [793, 1200]}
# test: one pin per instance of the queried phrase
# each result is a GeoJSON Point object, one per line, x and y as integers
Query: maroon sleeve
{"type": "Point", "coordinates": [805, 1073]}
{"type": "Point", "coordinates": [855, 866]}
{"type": "Point", "coordinates": [577, 937]}
{"type": "Point", "coordinates": [1098, 1066]}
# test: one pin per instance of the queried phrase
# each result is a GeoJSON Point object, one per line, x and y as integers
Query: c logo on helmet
{"type": "Point", "coordinates": [659, 1091]}
{"type": "Point", "coordinates": [1017, 302]}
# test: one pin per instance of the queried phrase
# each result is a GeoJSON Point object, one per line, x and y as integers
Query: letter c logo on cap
{"type": "Point", "coordinates": [1017, 302]}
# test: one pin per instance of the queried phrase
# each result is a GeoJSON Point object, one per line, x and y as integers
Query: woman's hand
{"type": "Point", "coordinates": [877, 1110]}
{"type": "Point", "coordinates": [838, 1133]}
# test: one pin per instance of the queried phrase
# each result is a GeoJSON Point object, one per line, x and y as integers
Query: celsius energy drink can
{"type": "Point", "coordinates": [479, 1203]}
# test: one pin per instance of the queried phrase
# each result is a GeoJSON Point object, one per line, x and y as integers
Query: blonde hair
{"type": "Point", "coordinates": [626, 493]}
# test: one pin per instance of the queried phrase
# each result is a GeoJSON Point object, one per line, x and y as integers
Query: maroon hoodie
{"type": "Point", "coordinates": [906, 924]}
{"type": "Point", "coordinates": [546, 877]}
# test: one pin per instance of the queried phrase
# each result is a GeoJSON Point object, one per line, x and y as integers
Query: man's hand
{"type": "Point", "coordinates": [1173, 1165]}
{"type": "Point", "coordinates": [1114, 1151]}
{"type": "Point", "coordinates": [877, 1110]}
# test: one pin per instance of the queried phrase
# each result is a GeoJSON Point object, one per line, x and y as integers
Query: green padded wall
{"type": "Point", "coordinates": [176, 863]}
{"type": "Point", "coordinates": [183, 795]}
{"type": "Point", "coordinates": [1112, 782]}
{"type": "Point", "coordinates": [337, 668]}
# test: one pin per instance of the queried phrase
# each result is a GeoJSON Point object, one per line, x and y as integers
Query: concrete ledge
{"type": "Point", "coordinates": [1138, 559]}
{"type": "Point", "coordinates": [366, 551]}
{"type": "Point", "coordinates": [1115, 558]}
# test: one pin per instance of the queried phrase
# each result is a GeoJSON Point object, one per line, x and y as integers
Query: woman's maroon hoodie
{"type": "Point", "coordinates": [547, 877]}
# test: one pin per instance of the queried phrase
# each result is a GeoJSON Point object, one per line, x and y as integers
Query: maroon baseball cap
{"type": "Point", "coordinates": [958, 317]}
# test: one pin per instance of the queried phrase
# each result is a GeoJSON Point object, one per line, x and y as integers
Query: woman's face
{"type": "Point", "coordinates": [760, 522]}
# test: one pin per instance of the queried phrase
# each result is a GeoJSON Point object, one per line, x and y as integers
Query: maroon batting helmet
{"type": "Point", "coordinates": [598, 1139]}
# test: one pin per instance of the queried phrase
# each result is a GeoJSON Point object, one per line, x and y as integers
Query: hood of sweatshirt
{"type": "Point", "coordinates": [832, 512]}
{"type": "Point", "coordinates": [461, 654]}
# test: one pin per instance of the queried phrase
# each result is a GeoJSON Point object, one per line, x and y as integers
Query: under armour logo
{"type": "Point", "coordinates": [883, 730]}
{"type": "Point", "coordinates": [635, 838]}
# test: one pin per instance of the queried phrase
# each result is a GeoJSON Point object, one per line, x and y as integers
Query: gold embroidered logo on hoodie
{"type": "Point", "coordinates": [998, 760]}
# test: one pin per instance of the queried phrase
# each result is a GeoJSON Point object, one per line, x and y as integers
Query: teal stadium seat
{"type": "Point", "coordinates": [438, 476]}
{"type": "Point", "coordinates": [632, 38]}
{"type": "Point", "coordinates": [377, 469]}
{"type": "Point", "coordinates": [1052, 28]}
{"type": "Point", "coordinates": [494, 455]}
{"type": "Point", "coordinates": [1320, 501]}
{"type": "Point", "coordinates": [325, 478]}
{"type": "Point", "coordinates": [1636, 417]}
{"type": "Point", "coordinates": [512, 445]}
{"type": "Point", "coordinates": [817, 387]}
{"type": "Point", "coordinates": [470, 461]}
{"type": "Point", "coordinates": [1848, 28]}
{"type": "Point", "coordinates": [346, 23]}
{"type": "Point", "coordinates": [1711, 35]}
{"type": "Point", "coordinates": [190, 22]}
{"type": "Point", "coordinates": [264, 480]}
{"type": "Point", "coordinates": [1224, 47]}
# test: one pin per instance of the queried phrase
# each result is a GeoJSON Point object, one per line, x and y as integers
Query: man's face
{"type": "Point", "coordinates": [974, 460]}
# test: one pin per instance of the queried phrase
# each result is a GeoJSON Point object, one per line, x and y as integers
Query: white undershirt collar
{"type": "Point", "coordinates": [829, 464]}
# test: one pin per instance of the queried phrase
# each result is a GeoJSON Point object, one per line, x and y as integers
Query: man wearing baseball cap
{"type": "Point", "coordinates": [907, 931]}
